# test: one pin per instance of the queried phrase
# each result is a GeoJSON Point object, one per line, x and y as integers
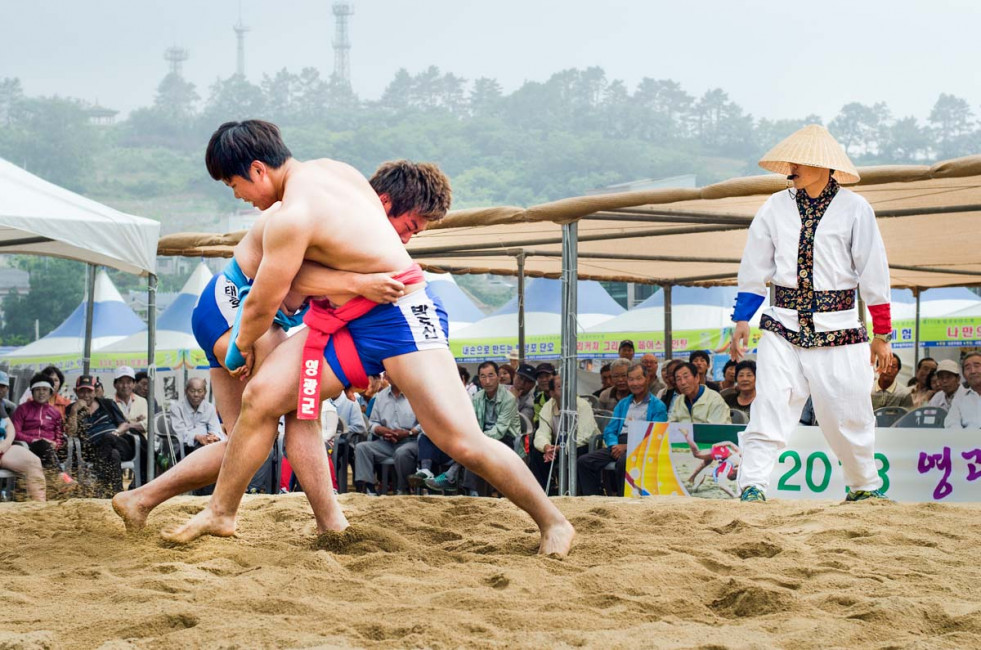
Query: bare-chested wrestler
{"type": "Point", "coordinates": [413, 195]}
{"type": "Point", "coordinates": [330, 215]}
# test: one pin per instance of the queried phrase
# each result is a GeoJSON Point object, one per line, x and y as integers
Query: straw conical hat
{"type": "Point", "coordinates": [812, 146]}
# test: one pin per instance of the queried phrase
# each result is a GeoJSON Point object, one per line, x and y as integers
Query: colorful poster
{"type": "Point", "coordinates": [916, 465]}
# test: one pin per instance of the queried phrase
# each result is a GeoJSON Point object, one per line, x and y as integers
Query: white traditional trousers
{"type": "Point", "coordinates": [837, 379]}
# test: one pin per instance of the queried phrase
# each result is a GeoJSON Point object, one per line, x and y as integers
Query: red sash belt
{"type": "Point", "coordinates": [324, 321]}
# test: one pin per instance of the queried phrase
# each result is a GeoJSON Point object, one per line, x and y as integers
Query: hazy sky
{"type": "Point", "coordinates": [775, 59]}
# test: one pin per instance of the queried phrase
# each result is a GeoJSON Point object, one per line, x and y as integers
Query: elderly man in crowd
{"type": "Point", "coordinates": [626, 350]}
{"type": "Point", "coordinates": [133, 407]}
{"type": "Point", "coordinates": [619, 390]}
{"type": "Point", "coordinates": [696, 403]}
{"type": "Point", "coordinates": [524, 390]}
{"type": "Point", "coordinates": [142, 389]}
{"type": "Point", "coordinates": [605, 380]}
{"type": "Point", "coordinates": [349, 412]}
{"type": "Point", "coordinates": [497, 414]}
{"type": "Point", "coordinates": [965, 409]}
{"type": "Point", "coordinates": [395, 426]}
{"type": "Point", "coordinates": [886, 391]}
{"type": "Point", "coordinates": [639, 405]}
{"type": "Point", "coordinates": [101, 426]}
{"type": "Point", "coordinates": [8, 405]}
{"type": "Point", "coordinates": [649, 361]}
{"type": "Point", "coordinates": [543, 374]}
{"type": "Point", "coordinates": [949, 378]}
{"type": "Point", "coordinates": [195, 419]}
{"type": "Point", "coordinates": [920, 383]}
{"type": "Point", "coordinates": [667, 393]}
{"type": "Point", "coordinates": [544, 449]}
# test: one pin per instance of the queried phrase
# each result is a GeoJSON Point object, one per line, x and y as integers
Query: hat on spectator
{"type": "Point", "coordinates": [813, 146]}
{"type": "Point", "coordinates": [4, 379]}
{"type": "Point", "coordinates": [545, 367]}
{"type": "Point", "coordinates": [626, 343]}
{"type": "Point", "coordinates": [513, 354]}
{"type": "Point", "coordinates": [527, 371]}
{"type": "Point", "coordinates": [949, 365]}
{"type": "Point", "coordinates": [85, 381]}
{"type": "Point", "coordinates": [124, 371]}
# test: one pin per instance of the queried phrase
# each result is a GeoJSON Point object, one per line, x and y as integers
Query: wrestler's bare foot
{"type": "Point", "coordinates": [557, 539]}
{"type": "Point", "coordinates": [203, 523]}
{"type": "Point", "coordinates": [131, 510]}
{"type": "Point", "coordinates": [336, 524]}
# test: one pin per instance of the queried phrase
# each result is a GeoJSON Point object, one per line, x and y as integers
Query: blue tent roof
{"type": "Point", "coordinates": [458, 305]}
{"type": "Point", "coordinates": [711, 296]}
{"type": "Point", "coordinates": [177, 317]}
{"type": "Point", "coordinates": [109, 318]}
{"type": "Point", "coordinates": [545, 295]}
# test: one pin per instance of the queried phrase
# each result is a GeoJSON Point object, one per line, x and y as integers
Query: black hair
{"type": "Point", "coordinates": [492, 364]}
{"type": "Point", "coordinates": [919, 364]}
{"type": "Point", "coordinates": [685, 364]}
{"type": "Point", "coordinates": [606, 368]}
{"type": "Point", "coordinates": [464, 374]}
{"type": "Point", "coordinates": [729, 364]}
{"type": "Point", "coordinates": [746, 364]}
{"type": "Point", "coordinates": [52, 370]}
{"type": "Point", "coordinates": [143, 374]}
{"type": "Point", "coordinates": [40, 376]}
{"type": "Point", "coordinates": [899, 363]}
{"type": "Point", "coordinates": [235, 145]}
{"type": "Point", "coordinates": [700, 353]}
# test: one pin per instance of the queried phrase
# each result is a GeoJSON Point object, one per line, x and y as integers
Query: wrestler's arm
{"type": "Point", "coordinates": [284, 243]}
{"type": "Point", "coordinates": [316, 280]}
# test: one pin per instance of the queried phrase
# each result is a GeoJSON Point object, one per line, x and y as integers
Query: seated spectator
{"type": "Point", "coordinates": [639, 405]}
{"type": "Point", "coordinates": [728, 385]}
{"type": "Point", "coordinates": [8, 405]}
{"type": "Point", "coordinates": [15, 458]}
{"type": "Point", "coordinates": [649, 362]}
{"type": "Point", "coordinates": [920, 382]}
{"type": "Point", "coordinates": [949, 380]}
{"type": "Point", "coordinates": [626, 350]}
{"type": "Point", "coordinates": [506, 373]}
{"type": "Point", "coordinates": [100, 390]}
{"type": "Point", "coordinates": [349, 413]}
{"type": "Point", "coordinates": [497, 413]}
{"type": "Point", "coordinates": [696, 403]}
{"type": "Point", "coordinates": [886, 391]}
{"type": "Point", "coordinates": [742, 396]}
{"type": "Point", "coordinates": [133, 407]}
{"type": "Point", "coordinates": [667, 394]}
{"type": "Point", "coordinates": [465, 378]}
{"type": "Point", "coordinates": [542, 452]}
{"type": "Point", "coordinates": [195, 419]}
{"type": "Point", "coordinates": [142, 389]}
{"type": "Point", "coordinates": [703, 362]}
{"type": "Point", "coordinates": [543, 374]}
{"type": "Point", "coordinates": [618, 390]}
{"type": "Point", "coordinates": [56, 378]}
{"type": "Point", "coordinates": [524, 390]}
{"type": "Point", "coordinates": [965, 408]}
{"type": "Point", "coordinates": [604, 379]}
{"type": "Point", "coordinates": [101, 427]}
{"type": "Point", "coordinates": [38, 423]}
{"type": "Point", "coordinates": [395, 426]}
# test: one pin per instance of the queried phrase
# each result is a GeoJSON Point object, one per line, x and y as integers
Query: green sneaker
{"type": "Point", "coordinates": [752, 494]}
{"type": "Point", "coordinates": [441, 483]}
{"type": "Point", "coordinates": [862, 495]}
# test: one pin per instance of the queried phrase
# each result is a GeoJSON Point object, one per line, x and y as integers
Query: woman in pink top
{"type": "Point", "coordinates": [39, 424]}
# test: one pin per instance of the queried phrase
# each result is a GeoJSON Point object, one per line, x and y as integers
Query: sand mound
{"type": "Point", "coordinates": [453, 572]}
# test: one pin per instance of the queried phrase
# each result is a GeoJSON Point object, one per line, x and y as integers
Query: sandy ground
{"type": "Point", "coordinates": [457, 572]}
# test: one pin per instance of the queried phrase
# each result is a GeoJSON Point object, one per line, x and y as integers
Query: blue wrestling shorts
{"type": "Point", "coordinates": [416, 322]}
{"type": "Point", "coordinates": [218, 305]}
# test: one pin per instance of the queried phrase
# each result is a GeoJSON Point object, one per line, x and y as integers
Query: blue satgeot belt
{"type": "Point", "coordinates": [232, 271]}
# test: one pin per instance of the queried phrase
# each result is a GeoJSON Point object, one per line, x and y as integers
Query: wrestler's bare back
{"type": "Point", "coordinates": [341, 211]}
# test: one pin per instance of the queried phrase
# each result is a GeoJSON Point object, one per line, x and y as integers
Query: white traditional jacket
{"type": "Point", "coordinates": [815, 253]}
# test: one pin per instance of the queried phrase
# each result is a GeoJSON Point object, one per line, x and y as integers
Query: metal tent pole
{"type": "Point", "coordinates": [521, 306]}
{"type": "Point", "coordinates": [151, 370]}
{"type": "Point", "coordinates": [916, 332]}
{"type": "Point", "coordinates": [570, 358]}
{"type": "Point", "coordinates": [668, 343]}
{"type": "Point", "coordinates": [90, 272]}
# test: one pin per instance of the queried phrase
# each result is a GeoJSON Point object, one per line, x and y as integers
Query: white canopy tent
{"type": "Point", "coordinates": [40, 218]}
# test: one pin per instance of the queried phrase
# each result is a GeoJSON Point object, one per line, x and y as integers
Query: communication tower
{"type": "Point", "coordinates": [240, 30]}
{"type": "Point", "coordinates": [342, 43]}
{"type": "Point", "coordinates": [176, 56]}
